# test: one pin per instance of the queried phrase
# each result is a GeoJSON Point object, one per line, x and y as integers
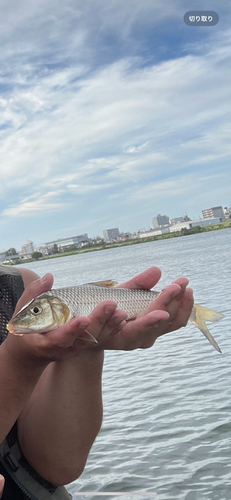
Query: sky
{"type": "Point", "coordinates": [111, 112]}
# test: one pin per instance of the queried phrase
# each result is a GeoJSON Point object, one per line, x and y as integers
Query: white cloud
{"type": "Point", "coordinates": [137, 149]}
{"type": "Point", "coordinates": [74, 125]}
{"type": "Point", "coordinates": [115, 106]}
{"type": "Point", "coordinates": [83, 189]}
{"type": "Point", "coordinates": [35, 204]}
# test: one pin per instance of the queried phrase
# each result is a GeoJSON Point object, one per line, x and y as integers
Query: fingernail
{"type": "Point", "coordinates": [109, 310]}
{"type": "Point", "coordinates": [119, 319]}
{"type": "Point", "coordinates": [82, 325]}
{"type": "Point", "coordinates": [43, 279]}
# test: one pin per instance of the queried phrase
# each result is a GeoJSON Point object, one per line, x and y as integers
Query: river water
{"type": "Point", "coordinates": [166, 433]}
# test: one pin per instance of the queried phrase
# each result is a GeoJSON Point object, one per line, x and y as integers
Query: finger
{"type": "Point", "coordinates": [64, 336]}
{"type": "Point", "coordinates": [34, 289]}
{"type": "Point", "coordinates": [183, 283]}
{"type": "Point", "coordinates": [68, 340]}
{"type": "Point", "coordinates": [144, 324]}
{"type": "Point", "coordinates": [151, 326]}
{"type": "Point", "coordinates": [145, 280]}
{"type": "Point", "coordinates": [135, 332]}
{"type": "Point", "coordinates": [181, 315]}
{"type": "Point", "coordinates": [104, 319]}
{"type": "Point", "coordinates": [100, 314]}
{"type": "Point", "coordinates": [95, 324]}
{"type": "Point", "coordinates": [184, 310]}
{"type": "Point", "coordinates": [156, 324]}
{"type": "Point", "coordinates": [112, 325]}
{"type": "Point", "coordinates": [166, 299]}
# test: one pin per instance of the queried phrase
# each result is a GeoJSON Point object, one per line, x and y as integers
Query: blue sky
{"type": "Point", "coordinates": [111, 111]}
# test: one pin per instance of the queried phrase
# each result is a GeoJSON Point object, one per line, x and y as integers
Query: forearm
{"type": "Point", "coordinates": [18, 378]}
{"type": "Point", "coordinates": [63, 417]}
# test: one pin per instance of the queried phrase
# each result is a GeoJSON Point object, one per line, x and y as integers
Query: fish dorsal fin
{"type": "Point", "coordinates": [106, 283]}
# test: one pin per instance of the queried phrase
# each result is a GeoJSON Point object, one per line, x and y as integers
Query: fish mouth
{"type": "Point", "coordinates": [18, 331]}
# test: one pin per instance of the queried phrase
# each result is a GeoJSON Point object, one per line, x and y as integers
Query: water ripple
{"type": "Point", "coordinates": [166, 426]}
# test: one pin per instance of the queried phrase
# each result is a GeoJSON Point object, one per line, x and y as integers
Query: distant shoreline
{"type": "Point", "coordinates": [177, 234]}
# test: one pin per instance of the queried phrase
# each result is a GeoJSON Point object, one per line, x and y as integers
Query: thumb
{"type": "Point", "coordinates": [34, 289]}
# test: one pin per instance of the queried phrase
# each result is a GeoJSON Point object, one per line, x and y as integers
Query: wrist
{"type": "Point", "coordinates": [22, 356]}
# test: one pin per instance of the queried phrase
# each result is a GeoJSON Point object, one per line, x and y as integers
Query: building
{"type": "Point", "coordinates": [160, 220]}
{"type": "Point", "coordinates": [27, 250]}
{"type": "Point", "coordinates": [2, 256]}
{"type": "Point", "coordinates": [43, 250]}
{"type": "Point", "coordinates": [111, 234]}
{"type": "Point", "coordinates": [227, 211]}
{"type": "Point", "coordinates": [153, 232]}
{"type": "Point", "coordinates": [214, 212]}
{"type": "Point", "coordinates": [63, 243]}
{"type": "Point", "coordinates": [179, 219]}
{"type": "Point", "coordinates": [125, 236]}
{"type": "Point", "coordinates": [193, 223]}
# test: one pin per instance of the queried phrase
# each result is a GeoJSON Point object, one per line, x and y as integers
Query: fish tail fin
{"type": "Point", "coordinates": [199, 316]}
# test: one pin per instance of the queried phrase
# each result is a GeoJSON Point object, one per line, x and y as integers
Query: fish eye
{"type": "Point", "coordinates": [36, 310]}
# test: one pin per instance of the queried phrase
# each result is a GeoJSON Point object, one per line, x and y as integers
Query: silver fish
{"type": "Point", "coordinates": [56, 307]}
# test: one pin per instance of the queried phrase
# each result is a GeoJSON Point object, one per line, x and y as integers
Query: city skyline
{"type": "Point", "coordinates": [110, 111]}
{"type": "Point", "coordinates": [101, 234]}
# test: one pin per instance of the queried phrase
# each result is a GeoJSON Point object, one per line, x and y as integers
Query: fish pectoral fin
{"type": "Point", "coordinates": [199, 316]}
{"type": "Point", "coordinates": [106, 283]}
{"type": "Point", "coordinates": [87, 337]}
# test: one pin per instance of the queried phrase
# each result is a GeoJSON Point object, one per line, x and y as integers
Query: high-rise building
{"type": "Point", "coordinates": [27, 250]}
{"type": "Point", "coordinates": [111, 234]}
{"type": "Point", "coordinates": [160, 220]}
{"type": "Point", "coordinates": [214, 212]}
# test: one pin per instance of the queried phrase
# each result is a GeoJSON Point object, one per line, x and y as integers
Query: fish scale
{"type": "Point", "coordinates": [83, 298]}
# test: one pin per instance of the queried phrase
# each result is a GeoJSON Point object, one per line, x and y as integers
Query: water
{"type": "Point", "coordinates": [167, 428]}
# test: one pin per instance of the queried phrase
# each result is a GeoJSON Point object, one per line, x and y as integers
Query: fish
{"type": "Point", "coordinates": [58, 306]}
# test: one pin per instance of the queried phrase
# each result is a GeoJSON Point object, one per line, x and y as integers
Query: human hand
{"type": "Point", "coordinates": [68, 340]}
{"type": "Point", "coordinates": [168, 312]}
{"type": "Point", "coordinates": [2, 483]}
